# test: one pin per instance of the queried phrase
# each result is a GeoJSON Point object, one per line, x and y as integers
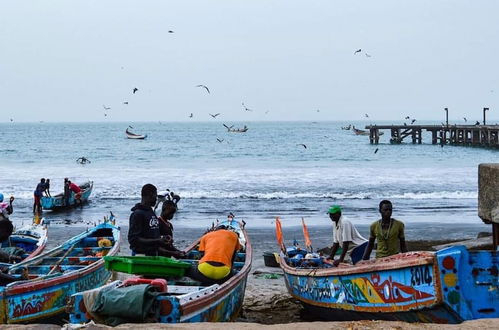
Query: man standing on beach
{"type": "Point", "coordinates": [346, 234]}
{"type": "Point", "coordinates": [37, 195]}
{"type": "Point", "coordinates": [388, 232]}
{"type": "Point", "coordinates": [143, 233]}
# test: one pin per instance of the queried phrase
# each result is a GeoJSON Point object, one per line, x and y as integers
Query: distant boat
{"type": "Point", "coordinates": [236, 130]}
{"type": "Point", "coordinates": [362, 132]}
{"type": "Point", "coordinates": [134, 136]}
{"type": "Point", "coordinates": [57, 202]}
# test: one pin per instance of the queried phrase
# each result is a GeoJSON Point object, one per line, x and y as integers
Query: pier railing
{"type": "Point", "coordinates": [466, 135]}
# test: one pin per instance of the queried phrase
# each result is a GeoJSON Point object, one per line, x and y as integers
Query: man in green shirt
{"type": "Point", "coordinates": [388, 232]}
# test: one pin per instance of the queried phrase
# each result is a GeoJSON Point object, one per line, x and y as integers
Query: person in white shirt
{"type": "Point", "coordinates": [346, 234]}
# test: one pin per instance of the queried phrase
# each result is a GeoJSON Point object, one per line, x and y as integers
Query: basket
{"type": "Point", "coordinates": [158, 266]}
{"type": "Point", "coordinates": [270, 259]}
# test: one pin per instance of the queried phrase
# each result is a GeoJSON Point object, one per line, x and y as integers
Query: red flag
{"type": "Point", "coordinates": [308, 243]}
{"type": "Point", "coordinates": [278, 233]}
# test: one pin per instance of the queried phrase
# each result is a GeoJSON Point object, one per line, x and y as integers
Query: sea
{"type": "Point", "coordinates": [291, 170]}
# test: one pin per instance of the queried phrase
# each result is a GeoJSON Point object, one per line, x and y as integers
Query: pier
{"type": "Point", "coordinates": [463, 135]}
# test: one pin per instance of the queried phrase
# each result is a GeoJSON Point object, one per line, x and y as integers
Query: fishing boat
{"type": "Point", "coordinates": [57, 202]}
{"type": "Point", "coordinates": [448, 286]}
{"type": "Point", "coordinates": [134, 136]}
{"type": "Point", "coordinates": [181, 300]}
{"type": "Point", "coordinates": [48, 280]}
{"type": "Point", "coordinates": [29, 241]}
{"type": "Point", "coordinates": [231, 129]}
{"type": "Point", "coordinates": [362, 132]}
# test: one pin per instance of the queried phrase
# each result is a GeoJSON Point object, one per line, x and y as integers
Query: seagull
{"type": "Point", "coordinates": [130, 126]}
{"type": "Point", "coordinates": [170, 31]}
{"type": "Point", "coordinates": [220, 140]}
{"type": "Point", "coordinates": [191, 115]}
{"type": "Point", "coordinates": [318, 110]}
{"type": "Point", "coordinates": [126, 102]}
{"type": "Point", "coordinates": [407, 117]}
{"type": "Point", "coordinates": [106, 108]}
{"type": "Point", "coordinates": [11, 119]}
{"type": "Point", "coordinates": [266, 112]}
{"type": "Point", "coordinates": [465, 120]}
{"type": "Point", "coordinates": [367, 116]}
{"type": "Point", "coordinates": [367, 55]}
{"type": "Point", "coordinates": [215, 115]}
{"type": "Point", "coordinates": [412, 121]}
{"type": "Point", "coordinates": [301, 144]}
{"type": "Point", "coordinates": [357, 51]}
{"type": "Point", "coordinates": [375, 151]}
{"type": "Point", "coordinates": [105, 114]}
{"type": "Point", "coordinates": [135, 90]}
{"type": "Point", "coordinates": [204, 88]}
{"type": "Point", "coordinates": [245, 108]}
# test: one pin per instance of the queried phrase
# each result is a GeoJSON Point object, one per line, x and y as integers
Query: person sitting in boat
{"type": "Point", "coordinates": [218, 249]}
{"type": "Point", "coordinates": [37, 195]}
{"type": "Point", "coordinates": [77, 191]}
{"type": "Point", "coordinates": [6, 209]}
{"type": "Point", "coordinates": [388, 232]}
{"type": "Point", "coordinates": [347, 235]}
{"type": "Point", "coordinates": [168, 210]}
{"type": "Point", "coordinates": [144, 234]}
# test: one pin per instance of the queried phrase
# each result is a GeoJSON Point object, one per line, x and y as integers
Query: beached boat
{"type": "Point", "coordinates": [182, 299]}
{"type": "Point", "coordinates": [448, 286]}
{"type": "Point", "coordinates": [57, 202]}
{"type": "Point", "coordinates": [134, 136]}
{"type": "Point", "coordinates": [32, 239]}
{"type": "Point", "coordinates": [55, 275]}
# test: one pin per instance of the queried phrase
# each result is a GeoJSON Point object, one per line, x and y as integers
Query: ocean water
{"type": "Point", "coordinates": [257, 175]}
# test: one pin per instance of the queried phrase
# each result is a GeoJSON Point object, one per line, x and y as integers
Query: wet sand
{"type": "Point", "coordinates": [266, 298]}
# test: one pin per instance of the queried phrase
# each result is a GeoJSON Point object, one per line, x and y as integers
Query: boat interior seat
{"type": "Point", "coordinates": [69, 260]}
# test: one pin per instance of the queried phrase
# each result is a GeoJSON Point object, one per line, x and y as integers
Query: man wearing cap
{"type": "Point", "coordinates": [346, 234]}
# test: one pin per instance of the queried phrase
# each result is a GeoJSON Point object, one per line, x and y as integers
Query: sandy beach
{"type": "Point", "coordinates": [266, 298]}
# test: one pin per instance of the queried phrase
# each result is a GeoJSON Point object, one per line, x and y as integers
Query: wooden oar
{"type": "Point", "coordinates": [61, 260]}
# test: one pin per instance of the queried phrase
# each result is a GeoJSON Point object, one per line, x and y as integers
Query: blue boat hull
{"type": "Point", "coordinates": [56, 203]}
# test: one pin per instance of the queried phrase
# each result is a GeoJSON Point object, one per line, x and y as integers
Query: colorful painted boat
{"type": "Point", "coordinates": [31, 238]}
{"type": "Point", "coordinates": [188, 301]}
{"type": "Point", "coordinates": [448, 286]}
{"type": "Point", "coordinates": [55, 275]}
{"type": "Point", "coordinates": [57, 202]}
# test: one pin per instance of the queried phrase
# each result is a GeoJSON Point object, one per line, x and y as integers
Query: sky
{"type": "Point", "coordinates": [65, 60]}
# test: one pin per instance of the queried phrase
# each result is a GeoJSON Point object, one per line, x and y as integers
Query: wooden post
{"type": "Point", "coordinates": [376, 136]}
{"type": "Point", "coordinates": [434, 139]}
{"type": "Point", "coordinates": [484, 109]}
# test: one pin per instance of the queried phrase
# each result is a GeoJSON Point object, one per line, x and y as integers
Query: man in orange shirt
{"type": "Point", "coordinates": [218, 250]}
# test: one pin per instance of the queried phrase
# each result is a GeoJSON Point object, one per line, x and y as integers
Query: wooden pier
{"type": "Point", "coordinates": [463, 135]}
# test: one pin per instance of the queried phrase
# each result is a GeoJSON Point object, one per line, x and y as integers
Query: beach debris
{"type": "Point", "coordinates": [215, 115]}
{"type": "Point", "coordinates": [203, 86]}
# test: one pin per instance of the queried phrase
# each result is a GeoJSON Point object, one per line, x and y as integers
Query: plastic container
{"type": "Point", "coordinates": [158, 266]}
{"type": "Point", "coordinates": [270, 259]}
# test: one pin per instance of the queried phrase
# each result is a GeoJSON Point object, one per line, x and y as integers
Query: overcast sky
{"type": "Point", "coordinates": [63, 60]}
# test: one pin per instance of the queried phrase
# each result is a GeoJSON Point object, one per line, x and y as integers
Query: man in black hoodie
{"type": "Point", "coordinates": [143, 234]}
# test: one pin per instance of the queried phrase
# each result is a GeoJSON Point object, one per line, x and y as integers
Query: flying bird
{"type": "Point", "coordinates": [465, 120]}
{"type": "Point", "coordinates": [105, 114]}
{"type": "Point", "coordinates": [318, 110]}
{"type": "Point", "coordinates": [135, 89]}
{"type": "Point", "coordinates": [125, 102]}
{"type": "Point", "coordinates": [215, 115]}
{"type": "Point", "coordinates": [266, 112]}
{"type": "Point", "coordinates": [357, 51]}
{"type": "Point", "coordinates": [367, 116]}
{"type": "Point", "coordinates": [191, 115]}
{"type": "Point", "coordinates": [375, 151]}
{"type": "Point", "coordinates": [246, 108]}
{"type": "Point", "coordinates": [368, 55]}
{"type": "Point", "coordinates": [204, 88]}
{"type": "Point", "coordinates": [301, 144]}
{"type": "Point", "coordinates": [11, 119]}
{"type": "Point", "coordinates": [407, 117]}
{"type": "Point", "coordinates": [130, 126]}
{"type": "Point", "coordinates": [106, 108]}
{"type": "Point", "coordinates": [220, 140]}
{"type": "Point", "coordinates": [170, 31]}
{"type": "Point", "coordinates": [413, 121]}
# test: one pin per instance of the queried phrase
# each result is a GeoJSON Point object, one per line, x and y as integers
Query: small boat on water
{"type": "Point", "coordinates": [448, 286]}
{"type": "Point", "coordinates": [26, 242]}
{"type": "Point", "coordinates": [357, 131]}
{"type": "Point", "coordinates": [180, 299]}
{"type": "Point", "coordinates": [57, 202]}
{"type": "Point", "coordinates": [134, 136]}
{"type": "Point", "coordinates": [231, 129]}
{"type": "Point", "coordinates": [48, 280]}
